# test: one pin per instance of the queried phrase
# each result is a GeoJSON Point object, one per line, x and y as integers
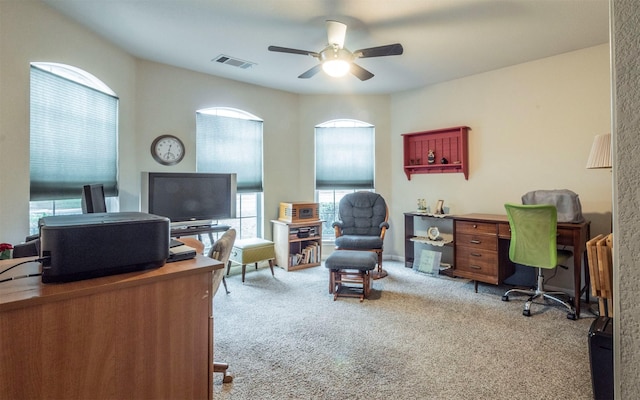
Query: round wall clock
{"type": "Point", "coordinates": [167, 150]}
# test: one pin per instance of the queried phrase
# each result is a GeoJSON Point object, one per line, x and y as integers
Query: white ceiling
{"type": "Point", "coordinates": [442, 39]}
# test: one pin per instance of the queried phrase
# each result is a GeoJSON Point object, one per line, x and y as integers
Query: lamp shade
{"type": "Point", "coordinates": [600, 156]}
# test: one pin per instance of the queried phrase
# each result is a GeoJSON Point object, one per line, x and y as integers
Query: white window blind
{"type": "Point", "coordinates": [344, 158]}
{"type": "Point", "coordinates": [227, 144]}
{"type": "Point", "coordinates": [73, 137]}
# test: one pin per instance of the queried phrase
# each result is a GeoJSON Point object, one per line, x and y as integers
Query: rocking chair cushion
{"type": "Point", "coordinates": [359, 242]}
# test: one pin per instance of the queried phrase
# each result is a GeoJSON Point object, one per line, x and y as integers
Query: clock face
{"type": "Point", "coordinates": [167, 150]}
{"type": "Point", "coordinates": [433, 233]}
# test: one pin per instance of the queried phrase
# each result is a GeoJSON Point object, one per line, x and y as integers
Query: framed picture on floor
{"type": "Point", "coordinates": [428, 262]}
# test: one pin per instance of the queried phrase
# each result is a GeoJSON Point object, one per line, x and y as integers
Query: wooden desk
{"type": "Point", "coordinates": [494, 229]}
{"type": "Point", "coordinates": [136, 335]}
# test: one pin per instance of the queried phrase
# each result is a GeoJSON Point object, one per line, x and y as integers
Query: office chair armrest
{"type": "Point", "coordinates": [384, 224]}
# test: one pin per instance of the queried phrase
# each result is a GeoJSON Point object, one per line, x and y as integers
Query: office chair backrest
{"type": "Point", "coordinates": [362, 213]}
{"type": "Point", "coordinates": [533, 235]}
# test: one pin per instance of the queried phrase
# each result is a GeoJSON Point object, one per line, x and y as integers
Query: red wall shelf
{"type": "Point", "coordinates": [449, 143]}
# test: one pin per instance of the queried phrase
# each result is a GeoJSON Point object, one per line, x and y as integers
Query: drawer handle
{"type": "Point", "coordinates": [475, 267]}
{"type": "Point", "coordinates": [475, 241]}
{"type": "Point", "coordinates": [476, 254]}
{"type": "Point", "coordinates": [475, 226]}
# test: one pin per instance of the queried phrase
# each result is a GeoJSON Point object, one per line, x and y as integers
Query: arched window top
{"type": "Point", "coordinates": [229, 112]}
{"type": "Point", "coordinates": [344, 123]}
{"type": "Point", "coordinates": [76, 75]}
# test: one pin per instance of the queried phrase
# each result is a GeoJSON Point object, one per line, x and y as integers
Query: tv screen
{"type": "Point", "coordinates": [189, 197]}
{"type": "Point", "coordinates": [93, 200]}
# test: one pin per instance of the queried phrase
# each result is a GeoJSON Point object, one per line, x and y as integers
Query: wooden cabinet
{"type": "Point", "coordinates": [416, 226]}
{"type": "Point", "coordinates": [477, 251]}
{"type": "Point", "coordinates": [146, 334]}
{"type": "Point", "coordinates": [298, 244]}
{"type": "Point", "coordinates": [449, 149]}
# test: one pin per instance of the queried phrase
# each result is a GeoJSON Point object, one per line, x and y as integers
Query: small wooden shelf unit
{"type": "Point", "coordinates": [449, 143]}
{"type": "Point", "coordinates": [293, 252]}
{"type": "Point", "coordinates": [414, 222]}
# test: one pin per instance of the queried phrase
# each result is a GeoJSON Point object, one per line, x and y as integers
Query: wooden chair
{"type": "Point", "coordinates": [600, 256]}
{"type": "Point", "coordinates": [221, 250]}
{"type": "Point", "coordinates": [193, 242]}
{"type": "Point", "coordinates": [199, 246]}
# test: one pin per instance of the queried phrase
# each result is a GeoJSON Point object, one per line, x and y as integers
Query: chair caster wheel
{"type": "Point", "coordinates": [571, 316]}
{"type": "Point", "coordinates": [526, 313]}
{"type": "Point", "coordinates": [505, 298]}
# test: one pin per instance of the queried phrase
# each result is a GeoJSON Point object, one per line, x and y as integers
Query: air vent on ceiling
{"type": "Point", "coordinates": [234, 62]}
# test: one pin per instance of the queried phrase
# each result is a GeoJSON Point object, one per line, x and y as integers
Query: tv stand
{"type": "Point", "coordinates": [198, 230]}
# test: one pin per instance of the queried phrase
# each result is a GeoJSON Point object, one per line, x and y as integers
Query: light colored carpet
{"type": "Point", "coordinates": [418, 337]}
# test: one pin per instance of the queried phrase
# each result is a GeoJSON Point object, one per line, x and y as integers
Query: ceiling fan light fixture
{"type": "Point", "coordinates": [336, 67]}
{"type": "Point", "coordinates": [336, 62]}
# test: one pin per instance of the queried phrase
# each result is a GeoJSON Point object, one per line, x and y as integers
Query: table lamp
{"type": "Point", "coordinates": [600, 156]}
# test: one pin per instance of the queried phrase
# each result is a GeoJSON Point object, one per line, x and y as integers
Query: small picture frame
{"type": "Point", "coordinates": [440, 207]}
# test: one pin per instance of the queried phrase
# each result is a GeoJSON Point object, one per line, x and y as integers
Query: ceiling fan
{"type": "Point", "coordinates": [335, 59]}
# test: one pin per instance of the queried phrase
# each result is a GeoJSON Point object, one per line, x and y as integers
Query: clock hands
{"type": "Point", "coordinates": [169, 155]}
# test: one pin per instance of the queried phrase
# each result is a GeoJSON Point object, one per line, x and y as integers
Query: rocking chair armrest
{"type": "Point", "coordinates": [337, 227]}
{"type": "Point", "coordinates": [383, 229]}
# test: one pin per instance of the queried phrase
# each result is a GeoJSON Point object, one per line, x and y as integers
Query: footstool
{"type": "Point", "coordinates": [349, 273]}
{"type": "Point", "coordinates": [251, 251]}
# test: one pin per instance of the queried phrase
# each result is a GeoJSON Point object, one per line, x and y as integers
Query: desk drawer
{"type": "Point", "coordinates": [504, 230]}
{"type": "Point", "coordinates": [477, 264]}
{"type": "Point", "coordinates": [476, 227]}
{"type": "Point", "coordinates": [475, 241]}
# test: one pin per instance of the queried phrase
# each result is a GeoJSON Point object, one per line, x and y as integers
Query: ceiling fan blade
{"type": "Point", "coordinates": [293, 51]}
{"type": "Point", "coordinates": [380, 51]}
{"type": "Point", "coordinates": [360, 72]}
{"type": "Point", "coordinates": [336, 31]}
{"type": "Point", "coordinates": [311, 72]}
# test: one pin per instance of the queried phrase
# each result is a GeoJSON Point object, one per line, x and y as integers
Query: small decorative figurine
{"type": "Point", "coordinates": [444, 161]}
{"type": "Point", "coordinates": [431, 158]}
{"type": "Point", "coordinates": [422, 205]}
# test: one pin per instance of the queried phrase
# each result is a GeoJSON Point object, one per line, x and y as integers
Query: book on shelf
{"type": "Point", "coordinates": [309, 254]}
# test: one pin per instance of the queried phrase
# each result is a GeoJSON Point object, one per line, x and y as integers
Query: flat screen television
{"type": "Point", "coordinates": [93, 200]}
{"type": "Point", "coordinates": [189, 198]}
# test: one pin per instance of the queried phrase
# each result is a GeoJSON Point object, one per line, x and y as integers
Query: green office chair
{"type": "Point", "coordinates": [533, 244]}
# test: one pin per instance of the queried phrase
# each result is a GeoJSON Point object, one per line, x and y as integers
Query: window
{"type": "Point", "coordinates": [345, 163]}
{"type": "Point", "coordinates": [229, 140]}
{"type": "Point", "coordinates": [73, 139]}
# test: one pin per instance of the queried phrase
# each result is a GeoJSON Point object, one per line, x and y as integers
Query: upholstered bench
{"type": "Point", "coordinates": [251, 251]}
{"type": "Point", "coordinates": [349, 273]}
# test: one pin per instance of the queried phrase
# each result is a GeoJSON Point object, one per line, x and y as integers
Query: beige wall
{"type": "Point", "coordinates": [168, 98]}
{"type": "Point", "coordinates": [532, 126]}
{"type": "Point", "coordinates": [30, 31]}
